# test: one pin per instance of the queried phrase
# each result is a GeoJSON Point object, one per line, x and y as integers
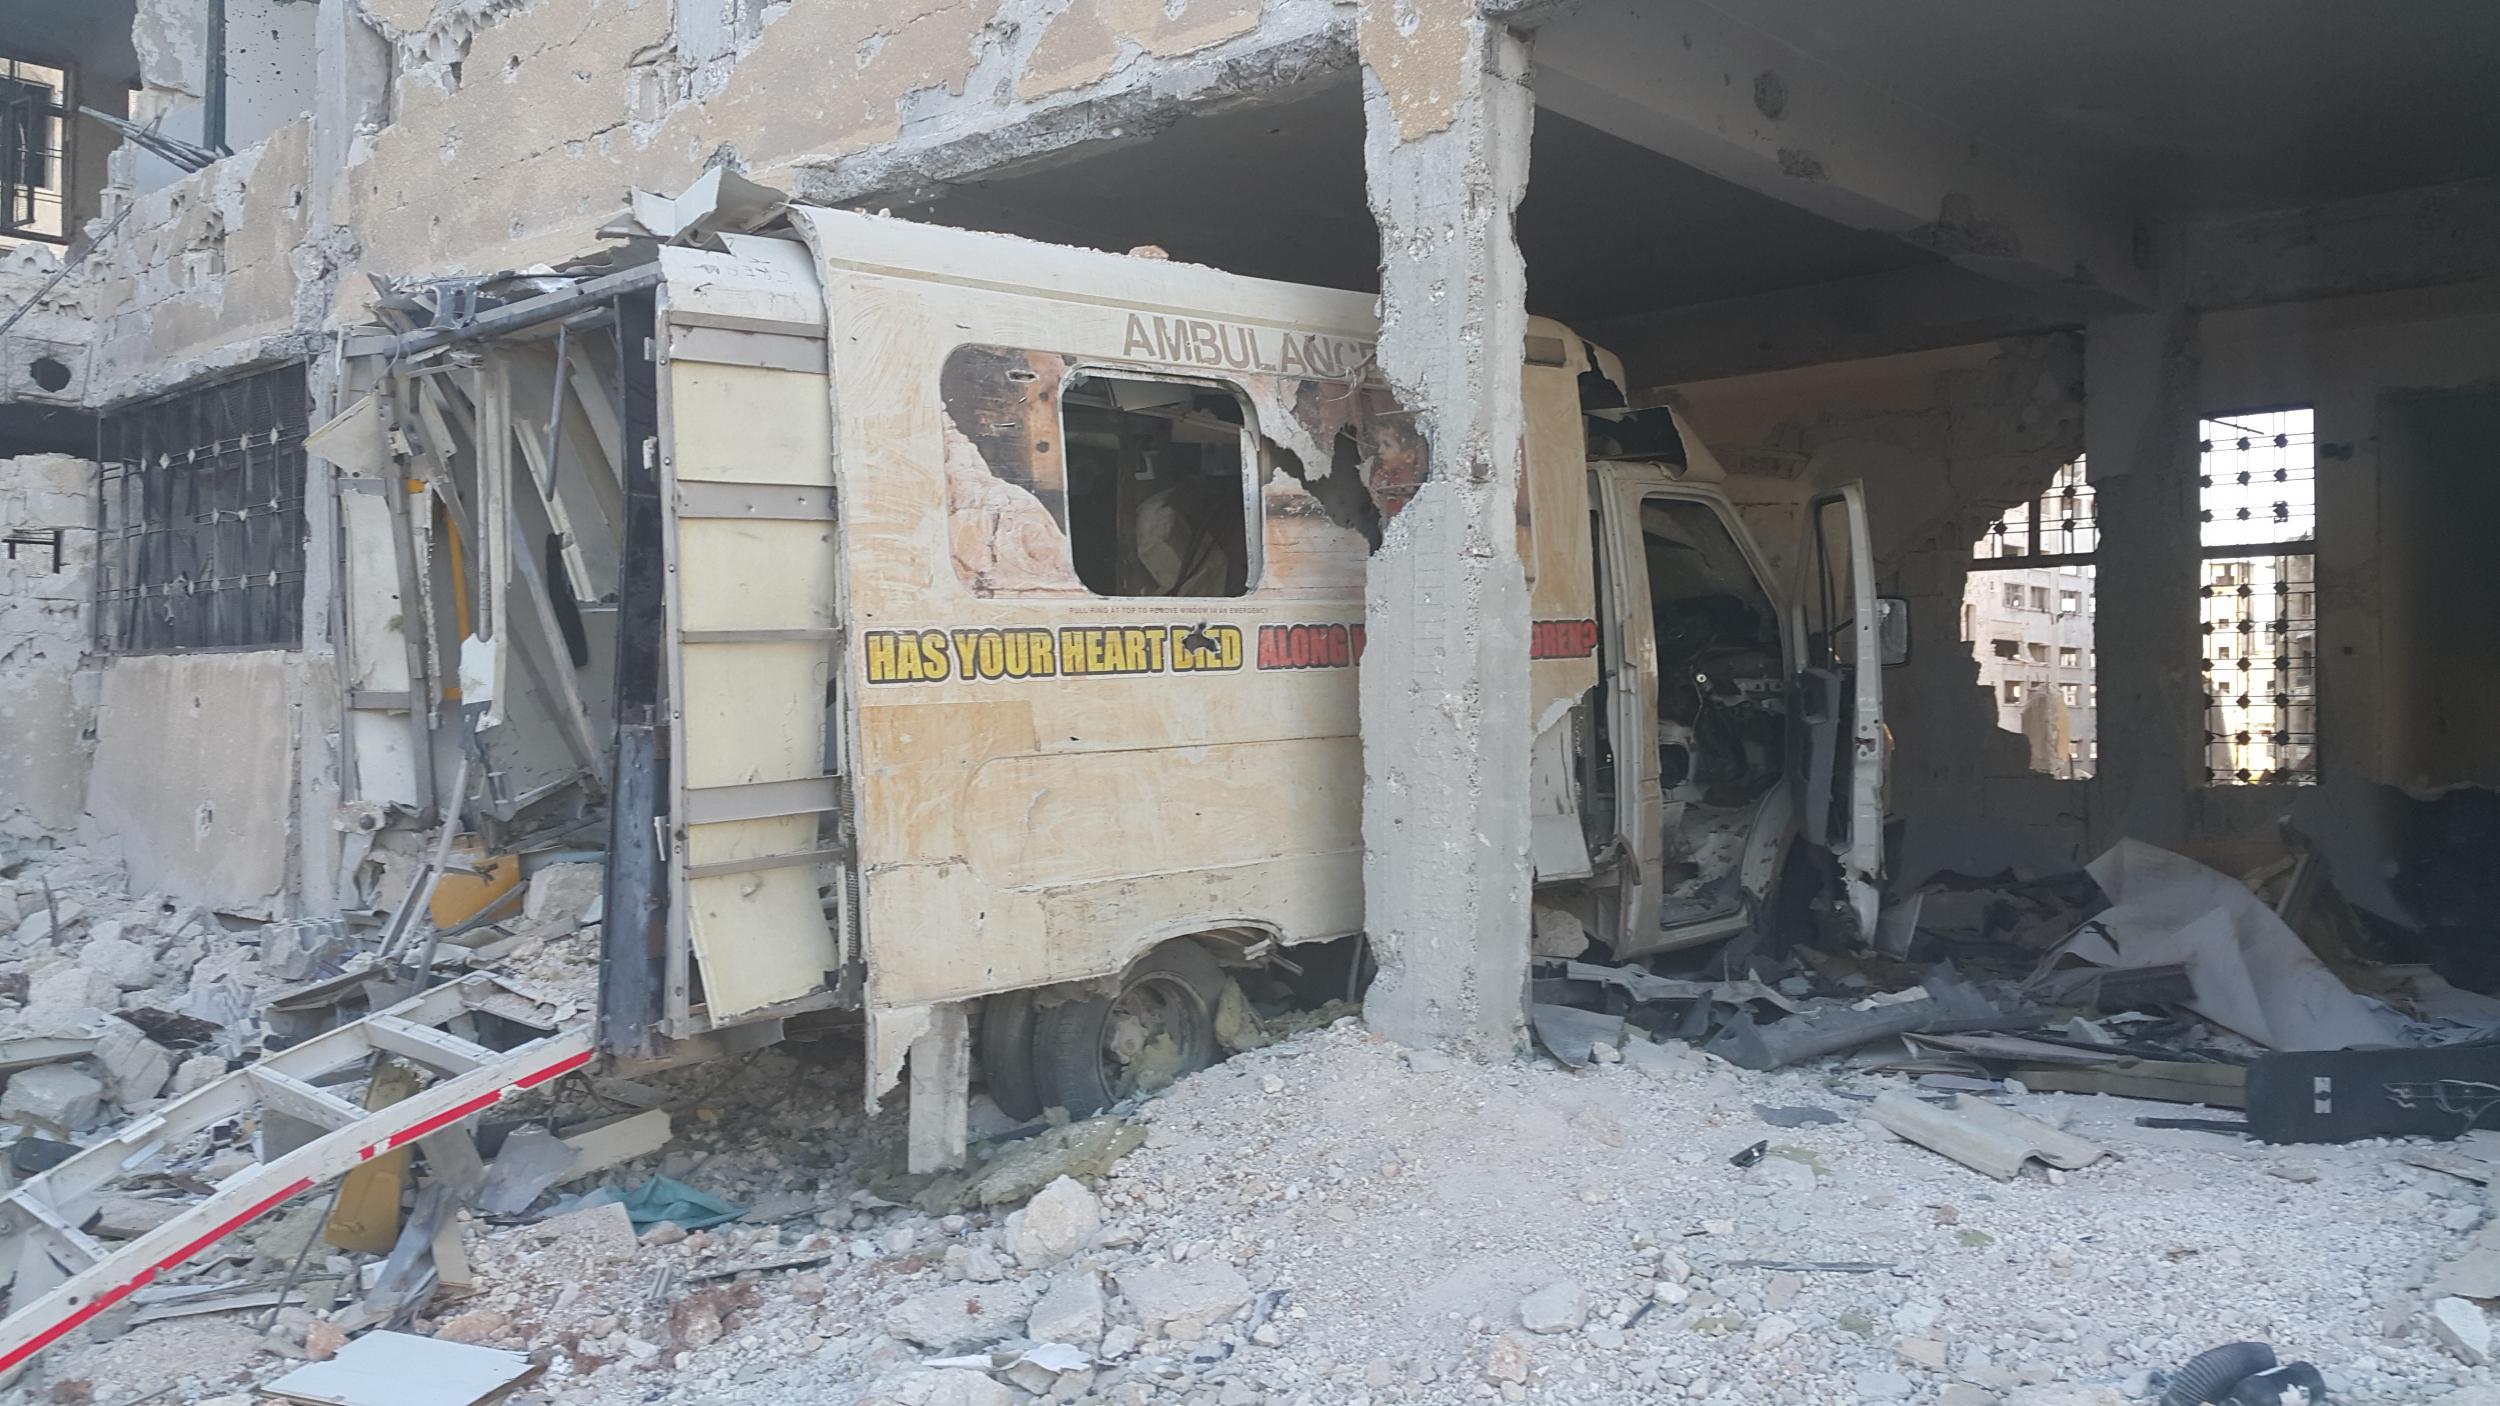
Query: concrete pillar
{"type": "Point", "coordinates": [351, 85]}
{"type": "Point", "coordinates": [1445, 673]}
{"type": "Point", "coordinates": [2141, 404]}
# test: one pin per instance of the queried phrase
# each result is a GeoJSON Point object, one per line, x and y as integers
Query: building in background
{"type": "Point", "coordinates": [2027, 615]}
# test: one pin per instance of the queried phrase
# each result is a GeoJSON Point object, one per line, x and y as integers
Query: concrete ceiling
{"type": "Point", "coordinates": [2206, 106]}
{"type": "Point", "coordinates": [1276, 191]}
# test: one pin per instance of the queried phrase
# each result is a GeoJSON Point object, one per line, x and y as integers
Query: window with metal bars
{"type": "Point", "coordinates": [2257, 596]}
{"type": "Point", "coordinates": [202, 524]}
{"type": "Point", "coordinates": [34, 152]}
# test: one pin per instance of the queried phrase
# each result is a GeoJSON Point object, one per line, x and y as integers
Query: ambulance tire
{"type": "Point", "coordinates": [1177, 986]}
{"type": "Point", "coordinates": [1007, 1055]}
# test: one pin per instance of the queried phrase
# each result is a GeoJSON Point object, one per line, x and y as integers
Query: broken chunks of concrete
{"type": "Point", "coordinates": [138, 1067]}
{"type": "Point", "coordinates": [1061, 1219]}
{"type": "Point", "coordinates": [52, 1096]}
{"type": "Point", "coordinates": [1185, 1299]}
{"type": "Point", "coordinates": [960, 1317]}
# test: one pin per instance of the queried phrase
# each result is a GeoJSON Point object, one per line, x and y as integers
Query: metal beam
{"type": "Point", "coordinates": [1694, 83]}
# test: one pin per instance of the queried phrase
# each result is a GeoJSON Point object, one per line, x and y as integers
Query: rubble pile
{"type": "Point", "coordinates": [110, 1003]}
{"type": "Point", "coordinates": [1935, 1176]}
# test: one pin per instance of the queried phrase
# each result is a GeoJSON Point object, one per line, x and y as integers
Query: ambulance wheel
{"type": "Point", "coordinates": [1007, 1055]}
{"type": "Point", "coordinates": [1090, 1053]}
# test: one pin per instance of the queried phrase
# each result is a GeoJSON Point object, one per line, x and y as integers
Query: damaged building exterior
{"type": "Point", "coordinates": [441, 439]}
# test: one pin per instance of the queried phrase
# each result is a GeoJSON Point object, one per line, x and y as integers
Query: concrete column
{"type": "Point", "coordinates": [2141, 404]}
{"type": "Point", "coordinates": [1445, 673]}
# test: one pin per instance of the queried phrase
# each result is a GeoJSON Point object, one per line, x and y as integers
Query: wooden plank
{"type": "Point", "coordinates": [2213, 1085]}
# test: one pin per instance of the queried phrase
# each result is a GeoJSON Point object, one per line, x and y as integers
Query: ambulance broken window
{"type": "Point", "coordinates": [1159, 488]}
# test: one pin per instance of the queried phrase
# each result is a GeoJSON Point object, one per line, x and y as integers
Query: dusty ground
{"type": "Point", "coordinates": [1362, 1225]}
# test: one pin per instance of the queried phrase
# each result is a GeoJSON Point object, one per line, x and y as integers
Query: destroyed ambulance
{"type": "Point", "coordinates": [964, 630]}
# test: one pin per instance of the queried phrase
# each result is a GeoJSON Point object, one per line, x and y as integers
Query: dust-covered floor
{"type": "Point", "coordinates": [1333, 1220]}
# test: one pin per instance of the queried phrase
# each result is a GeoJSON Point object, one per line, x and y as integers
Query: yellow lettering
{"type": "Point", "coordinates": [880, 656]}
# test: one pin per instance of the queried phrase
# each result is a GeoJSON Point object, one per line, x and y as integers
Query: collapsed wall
{"type": "Point", "coordinates": [47, 683]}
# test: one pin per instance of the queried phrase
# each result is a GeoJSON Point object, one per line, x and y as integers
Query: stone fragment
{"type": "Point", "coordinates": [124, 963]}
{"type": "Point", "coordinates": [1508, 1361]}
{"type": "Point", "coordinates": [53, 1095]}
{"type": "Point", "coordinates": [2066, 1394]}
{"type": "Point", "coordinates": [1926, 1352]}
{"type": "Point", "coordinates": [323, 1339]}
{"type": "Point", "coordinates": [1060, 1219]}
{"type": "Point", "coordinates": [2459, 1326]}
{"type": "Point", "coordinates": [70, 991]}
{"type": "Point", "coordinates": [137, 1067]}
{"type": "Point", "coordinates": [479, 1327]}
{"type": "Point", "coordinates": [1183, 1299]}
{"type": "Point", "coordinates": [1880, 1386]}
{"type": "Point", "coordinates": [960, 1317]}
{"type": "Point", "coordinates": [1070, 1312]}
{"type": "Point", "coordinates": [1559, 1307]}
{"type": "Point", "coordinates": [1557, 933]}
{"type": "Point", "coordinates": [973, 1262]}
{"type": "Point", "coordinates": [194, 1074]}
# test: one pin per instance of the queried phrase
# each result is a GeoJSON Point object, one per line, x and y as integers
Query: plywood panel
{"type": "Point", "coordinates": [751, 575]}
{"type": "Point", "coordinates": [749, 424]}
{"type": "Point", "coordinates": [752, 712]}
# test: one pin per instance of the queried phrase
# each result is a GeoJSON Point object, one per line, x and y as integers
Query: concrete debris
{"type": "Point", "coordinates": [958, 1317]}
{"type": "Point", "coordinates": [2461, 1327]}
{"type": "Point", "coordinates": [1183, 1300]}
{"type": "Point", "coordinates": [1071, 1310]}
{"type": "Point", "coordinates": [54, 1097]}
{"type": "Point", "coordinates": [1060, 1219]}
{"type": "Point", "coordinates": [1556, 1308]}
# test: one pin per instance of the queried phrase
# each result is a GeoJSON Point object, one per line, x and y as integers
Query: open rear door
{"type": "Point", "coordinates": [746, 475]}
{"type": "Point", "coordinates": [1839, 700]}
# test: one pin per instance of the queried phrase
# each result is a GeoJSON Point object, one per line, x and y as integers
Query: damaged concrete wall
{"type": "Point", "coordinates": [2388, 650]}
{"type": "Point", "coordinates": [47, 687]}
{"type": "Point", "coordinates": [194, 774]}
{"type": "Point", "coordinates": [1944, 442]}
{"type": "Point", "coordinates": [516, 127]}
{"type": "Point", "coordinates": [211, 273]}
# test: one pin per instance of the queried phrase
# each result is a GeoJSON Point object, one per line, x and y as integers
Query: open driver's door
{"type": "Point", "coordinates": [1838, 706]}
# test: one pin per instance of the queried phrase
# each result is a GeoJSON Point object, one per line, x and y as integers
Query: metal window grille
{"type": "Point", "coordinates": [202, 543]}
{"type": "Point", "coordinates": [2257, 609]}
{"type": "Point", "coordinates": [34, 155]}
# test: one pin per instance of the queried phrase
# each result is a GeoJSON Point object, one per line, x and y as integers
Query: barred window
{"type": "Point", "coordinates": [202, 540]}
{"type": "Point", "coordinates": [2257, 602]}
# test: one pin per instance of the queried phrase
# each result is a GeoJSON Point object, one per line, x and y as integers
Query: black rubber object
{"type": "Point", "coordinates": [2292, 1382]}
{"type": "Point", "coordinates": [1007, 1055]}
{"type": "Point", "coordinates": [1070, 1069]}
{"type": "Point", "coordinates": [2210, 1375]}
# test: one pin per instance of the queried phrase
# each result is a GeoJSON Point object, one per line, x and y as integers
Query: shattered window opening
{"type": "Point", "coordinates": [34, 152]}
{"type": "Point", "coordinates": [2030, 594]}
{"type": "Point", "coordinates": [1160, 497]}
{"type": "Point", "coordinates": [201, 541]}
{"type": "Point", "coordinates": [2257, 612]}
